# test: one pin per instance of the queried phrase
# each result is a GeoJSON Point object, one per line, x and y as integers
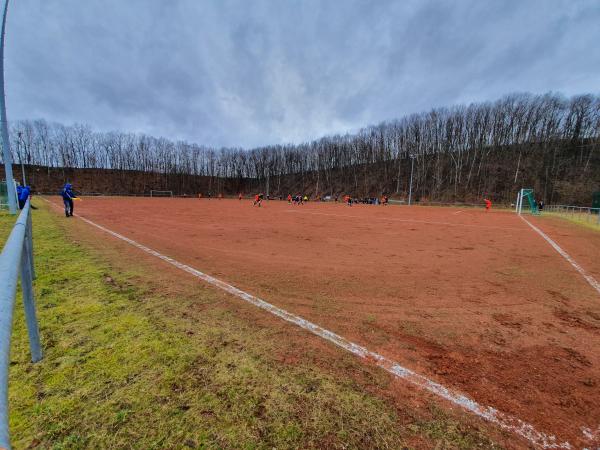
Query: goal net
{"type": "Point", "coordinates": [154, 193]}
{"type": "Point", "coordinates": [4, 195]}
{"type": "Point", "coordinates": [526, 199]}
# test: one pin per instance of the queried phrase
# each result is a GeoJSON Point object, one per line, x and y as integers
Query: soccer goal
{"type": "Point", "coordinates": [4, 194]}
{"type": "Point", "coordinates": [154, 193]}
{"type": "Point", "coordinates": [526, 195]}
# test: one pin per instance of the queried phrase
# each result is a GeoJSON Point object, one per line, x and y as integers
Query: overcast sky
{"type": "Point", "coordinates": [249, 72]}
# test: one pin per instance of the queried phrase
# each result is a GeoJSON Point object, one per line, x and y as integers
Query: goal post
{"type": "Point", "coordinates": [156, 193]}
{"type": "Point", "coordinates": [526, 196]}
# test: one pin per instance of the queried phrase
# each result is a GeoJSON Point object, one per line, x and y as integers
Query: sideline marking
{"type": "Point", "coordinates": [503, 420]}
{"type": "Point", "coordinates": [590, 279]}
{"type": "Point", "coordinates": [428, 222]}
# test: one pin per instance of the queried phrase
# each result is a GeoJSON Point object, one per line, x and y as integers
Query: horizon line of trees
{"type": "Point", "coordinates": [460, 153]}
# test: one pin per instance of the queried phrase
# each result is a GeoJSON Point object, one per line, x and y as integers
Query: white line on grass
{"type": "Point", "coordinates": [590, 279]}
{"type": "Point", "coordinates": [504, 421]}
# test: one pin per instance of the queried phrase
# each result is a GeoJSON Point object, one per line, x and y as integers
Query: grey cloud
{"type": "Point", "coordinates": [239, 73]}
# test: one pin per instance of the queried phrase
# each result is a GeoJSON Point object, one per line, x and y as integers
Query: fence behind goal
{"type": "Point", "coordinates": [590, 216]}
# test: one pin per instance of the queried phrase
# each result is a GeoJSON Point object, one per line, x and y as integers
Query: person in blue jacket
{"type": "Point", "coordinates": [68, 195]}
{"type": "Point", "coordinates": [19, 192]}
{"type": "Point", "coordinates": [23, 193]}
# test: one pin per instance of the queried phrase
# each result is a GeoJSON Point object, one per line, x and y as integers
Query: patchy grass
{"type": "Point", "coordinates": [128, 364]}
{"type": "Point", "coordinates": [588, 221]}
{"type": "Point", "coordinates": [6, 222]}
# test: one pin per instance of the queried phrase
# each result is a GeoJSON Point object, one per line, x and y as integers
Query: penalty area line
{"type": "Point", "coordinates": [502, 420]}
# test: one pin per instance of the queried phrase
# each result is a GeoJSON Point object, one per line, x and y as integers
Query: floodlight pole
{"type": "Point", "coordinates": [412, 166]}
{"type": "Point", "coordinates": [6, 156]}
{"type": "Point", "coordinates": [267, 184]}
{"type": "Point", "coordinates": [24, 182]}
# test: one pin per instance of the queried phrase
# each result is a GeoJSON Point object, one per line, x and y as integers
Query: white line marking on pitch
{"type": "Point", "coordinates": [504, 421]}
{"type": "Point", "coordinates": [427, 222]}
{"type": "Point", "coordinates": [590, 279]}
{"type": "Point", "coordinates": [458, 212]}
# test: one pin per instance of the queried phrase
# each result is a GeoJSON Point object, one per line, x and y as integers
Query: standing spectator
{"type": "Point", "coordinates": [68, 195]}
{"type": "Point", "coordinates": [19, 193]}
{"type": "Point", "coordinates": [23, 192]}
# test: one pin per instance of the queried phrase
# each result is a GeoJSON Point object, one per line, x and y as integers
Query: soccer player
{"type": "Point", "coordinates": [258, 200]}
{"type": "Point", "coordinates": [488, 204]}
{"type": "Point", "coordinates": [289, 198]}
{"type": "Point", "coordinates": [68, 196]}
{"type": "Point", "coordinates": [240, 196]}
{"type": "Point", "coordinates": [385, 200]}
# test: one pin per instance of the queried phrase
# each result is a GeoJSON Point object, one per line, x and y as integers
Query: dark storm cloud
{"type": "Point", "coordinates": [246, 73]}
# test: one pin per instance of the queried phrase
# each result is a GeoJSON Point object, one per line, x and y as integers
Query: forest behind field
{"type": "Point", "coordinates": [461, 153]}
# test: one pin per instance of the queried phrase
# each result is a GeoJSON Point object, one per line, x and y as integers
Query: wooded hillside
{"type": "Point", "coordinates": [547, 142]}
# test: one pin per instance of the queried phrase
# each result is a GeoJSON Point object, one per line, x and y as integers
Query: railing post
{"type": "Point", "coordinates": [29, 242]}
{"type": "Point", "coordinates": [29, 304]}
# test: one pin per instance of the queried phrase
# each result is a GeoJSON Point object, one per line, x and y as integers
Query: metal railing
{"type": "Point", "coordinates": [577, 213]}
{"type": "Point", "coordinates": [16, 260]}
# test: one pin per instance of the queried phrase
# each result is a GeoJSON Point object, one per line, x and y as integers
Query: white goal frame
{"type": "Point", "coordinates": [519, 206]}
{"type": "Point", "coordinates": [156, 193]}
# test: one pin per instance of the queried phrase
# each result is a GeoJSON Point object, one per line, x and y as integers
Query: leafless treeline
{"type": "Point", "coordinates": [547, 142]}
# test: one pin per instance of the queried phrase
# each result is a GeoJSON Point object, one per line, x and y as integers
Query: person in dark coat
{"type": "Point", "coordinates": [68, 195]}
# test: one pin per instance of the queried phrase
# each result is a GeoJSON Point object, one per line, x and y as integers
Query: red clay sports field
{"type": "Point", "coordinates": [479, 303]}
